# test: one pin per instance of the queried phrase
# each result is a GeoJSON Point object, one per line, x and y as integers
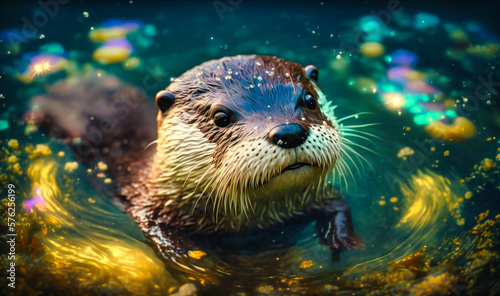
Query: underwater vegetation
{"type": "Point", "coordinates": [424, 190]}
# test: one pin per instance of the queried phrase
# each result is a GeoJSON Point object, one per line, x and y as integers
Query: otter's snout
{"type": "Point", "coordinates": [288, 135]}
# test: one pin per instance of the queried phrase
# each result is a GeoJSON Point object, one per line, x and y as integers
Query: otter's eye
{"type": "Point", "coordinates": [312, 72]}
{"type": "Point", "coordinates": [310, 101]}
{"type": "Point", "coordinates": [221, 119]}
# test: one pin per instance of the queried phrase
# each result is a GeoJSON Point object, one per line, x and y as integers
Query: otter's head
{"type": "Point", "coordinates": [245, 133]}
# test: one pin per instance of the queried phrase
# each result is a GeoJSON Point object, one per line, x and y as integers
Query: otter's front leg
{"type": "Point", "coordinates": [335, 229]}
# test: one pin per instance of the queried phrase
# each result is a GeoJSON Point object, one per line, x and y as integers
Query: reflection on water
{"type": "Point", "coordinates": [83, 243]}
{"type": "Point", "coordinates": [431, 206]}
{"type": "Point", "coordinates": [429, 209]}
{"type": "Point", "coordinates": [87, 241]}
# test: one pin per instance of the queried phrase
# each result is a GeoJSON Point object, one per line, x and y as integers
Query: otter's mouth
{"type": "Point", "coordinates": [293, 177]}
{"type": "Point", "coordinates": [295, 166]}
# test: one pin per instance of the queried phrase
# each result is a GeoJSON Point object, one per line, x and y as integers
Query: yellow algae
{"type": "Point", "coordinates": [306, 264]}
{"type": "Point", "coordinates": [40, 150]}
{"type": "Point", "coordinates": [61, 154]}
{"type": "Point", "coordinates": [406, 151]}
{"type": "Point", "coordinates": [468, 194]}
{"type": "Point", "coordinates": [372, 49]}
{"type": "Point", "coordinates": [461, 129]}
{"type": "Point", "coordinates": [14, 144]}
{"type": "Point", "coordinates": [105, 34]}
{"type": "Point", "coordinates": [382, 202]}
{"type": "Point", "coordinates": [480, 258]}
{"type": "Point", "coordinates": [446, 153]}
{"type": "Point", "coordinates": [101, 175]}
{"type": "Point", "coordinates": [12, 159]}
{"type": "Point", "coordinates": [413, 262]}
{"type": "Point", "coordinates": [488, 50]}
{"type": "Point", "coordinates": [131, 63]}
{"type": "Point", "coordinates": [197, 254]}
{"type": "Point", "coordinates": [434, 284]}
{"type": "Point", "coordinates": [102, 166]}
{"type": "Point", "coordinates": [91, 200]}
{"type": "Point", "coordinates": [70, 166]}
{"type": "Point", "coordinates": [482, 216]}
{"type": "Point", "coordinates": [488, 164]}
{"type": "Point", "coordinates": [485, 243]}
{"type": "Point", "coordinates": [266, 289]}
{"type": "Point", "coordinates": [107, 180]}
{"type": "Point", "coordinates": [394, 199]}
{"type": "Point", "coordinates": [109, 55]}
{"type": "Point", "coordinates": [16, 169]}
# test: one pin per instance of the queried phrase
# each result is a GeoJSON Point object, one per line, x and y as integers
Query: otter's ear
{"type": "Point", "coordinates": [312, 72]}
{"type": "Point", "coordinates": [164, 100]}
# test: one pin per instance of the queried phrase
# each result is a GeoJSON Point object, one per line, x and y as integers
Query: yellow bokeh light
{"type": "Point", "coordinates": [393, 100]}
{"type": "Point", "coordinates": [40, 68]}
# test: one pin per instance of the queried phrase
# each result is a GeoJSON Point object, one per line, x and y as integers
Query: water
{"type": "Point", "coordinates": [425, 200]}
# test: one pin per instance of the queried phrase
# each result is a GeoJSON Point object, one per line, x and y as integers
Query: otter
{"type": "Point", "coordinates": [243, 143]}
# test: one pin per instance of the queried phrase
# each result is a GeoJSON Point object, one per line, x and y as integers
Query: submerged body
{"type": "Point", "coordinates": [243, 143]}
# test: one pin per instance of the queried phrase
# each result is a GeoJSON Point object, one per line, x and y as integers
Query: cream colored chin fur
{"type": "Point", "coordinates": [250, 187]}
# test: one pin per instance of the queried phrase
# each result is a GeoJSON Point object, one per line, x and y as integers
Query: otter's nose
{"type": "Point", "coordinates": [288, 135]}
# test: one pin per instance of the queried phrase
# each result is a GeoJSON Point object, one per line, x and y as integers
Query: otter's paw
{"type": "Point", "coordinates": [335, 229]}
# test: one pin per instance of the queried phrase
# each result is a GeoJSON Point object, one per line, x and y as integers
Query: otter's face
{"type": "Point", "coordinates": [282, 143]}
{"type": "Point", "coordinates": [261, 122]}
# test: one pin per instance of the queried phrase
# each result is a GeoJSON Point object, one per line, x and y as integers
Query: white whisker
{"type": "Point", "coordinates": [352, 115]}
